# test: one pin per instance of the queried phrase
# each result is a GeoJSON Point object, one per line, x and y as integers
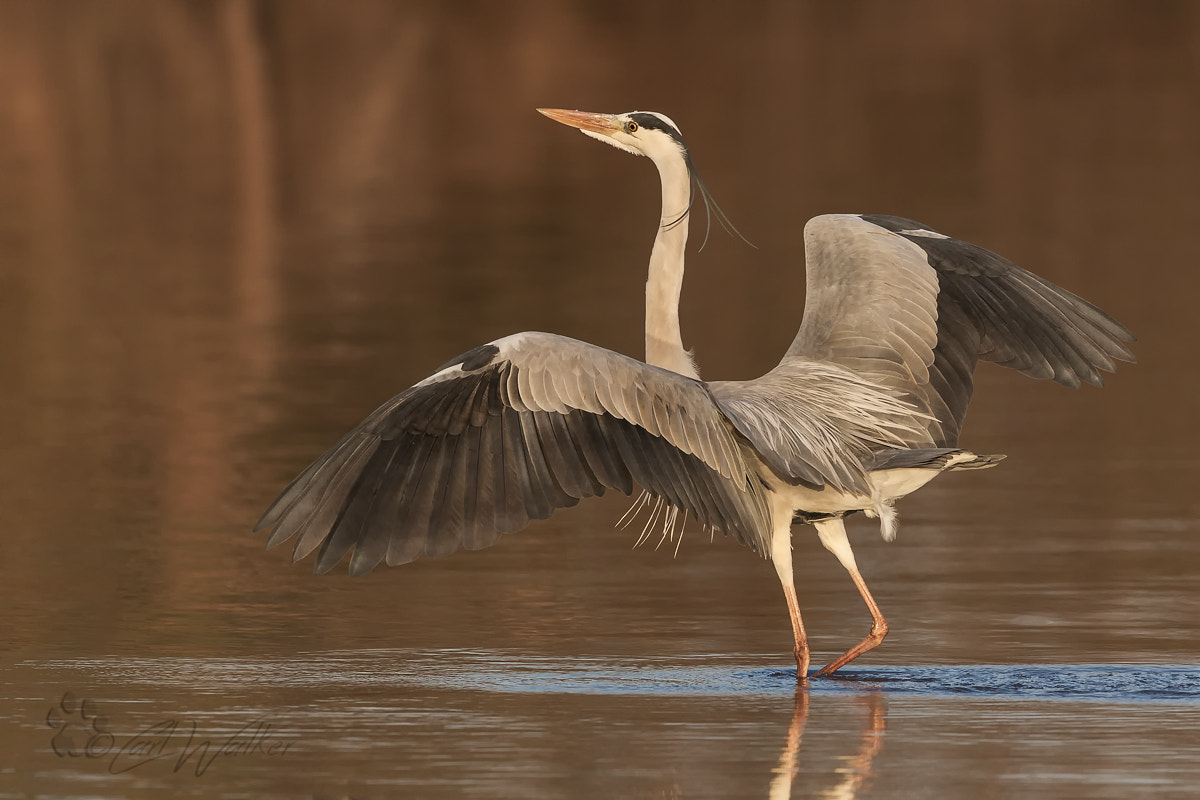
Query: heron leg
{"type": "Point", "coordinates": [833, 535]}
{"type": "Point", "coordinates": [781, 557]}
{"type": "Point", "coordinates": [801, 649]}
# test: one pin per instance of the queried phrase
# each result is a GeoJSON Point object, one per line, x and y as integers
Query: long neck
{"type": "Point", "coordinates": [664, 344]}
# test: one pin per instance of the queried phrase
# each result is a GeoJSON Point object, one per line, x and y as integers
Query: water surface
{"type": "Point", "coordinates": [494, 724]}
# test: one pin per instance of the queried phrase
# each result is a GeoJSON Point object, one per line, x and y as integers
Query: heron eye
{"type": "Point", "coordinates": [631, 127]}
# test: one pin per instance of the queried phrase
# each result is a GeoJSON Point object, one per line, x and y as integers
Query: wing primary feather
{"type": "Point", "coordinates": [296, 502]}
{"type": "Point", "coordinates": [1058, 329]}
{"type": "Point", "coordinates": [1093, 332]}
{"type": "Point", "coordinates": [705, 495]}
{"type": "Point", "coordinates": [361, 505]}
{"type": "Point", "coordinates": [474, 536]}
{"type": "Point", "coordinates": [312, 516]}
{"type": "Point", "coordinates": [1005, 343]}
{"type": "Point", "coordinates": [405, 543]}
{"type": "Point", "coordinates": [599, 451]}
{"type": "Point", "coordinates": [373, 543]}
{"type": "Point", "coordinates": [1035, 334]}
{"type": "Point", "coordinates": [450, 510]}
{"type": "Point", "coordinates": [488, 455]}
{"type": "Point", "coordinates": [297, 489]}
{"type": "Point", "coordinates": [335, 540]}
{"type": "Point", "coordinates": [562, 458]}
{"type": "Point", "coordinates": [545, 488]}
{"type": "Point", "coordinates": [447, 513]}
{"type": "Point", "coordinates": [631, 455]}
{"type": "Point", "coordinates": [512, 477]}
{"type": "Point", "coordinates": [431, 511]}
{"type": "Point", "coordinates": [663, 469]}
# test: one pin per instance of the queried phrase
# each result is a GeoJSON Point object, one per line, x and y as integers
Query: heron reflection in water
{"type": "Point", "coordinates": [854, 770]}
{"type": "Point", "coordinates": [864, 408]}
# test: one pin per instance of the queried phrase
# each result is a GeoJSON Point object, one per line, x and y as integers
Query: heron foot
{"type": "Point", "coordinates": [879, 630]}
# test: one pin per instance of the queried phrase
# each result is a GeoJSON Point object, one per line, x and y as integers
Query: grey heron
{"type": "Point", "coordinates": [864, 408]}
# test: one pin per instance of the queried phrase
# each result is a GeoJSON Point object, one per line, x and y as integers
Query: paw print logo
{"type": "Point", "coordinates": [79, 729]}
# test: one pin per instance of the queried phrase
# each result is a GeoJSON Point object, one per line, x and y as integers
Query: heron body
{"type": "Point", "coordinates": [864, 408]}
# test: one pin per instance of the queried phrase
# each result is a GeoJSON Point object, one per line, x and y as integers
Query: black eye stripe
{"type": "Point", "coordinates": [654, 123]}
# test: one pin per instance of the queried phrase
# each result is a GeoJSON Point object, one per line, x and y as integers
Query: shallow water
{"type": "Point", "coordinates": [500, 724]}
{"type": "Point", "coordinates": [228, 231]}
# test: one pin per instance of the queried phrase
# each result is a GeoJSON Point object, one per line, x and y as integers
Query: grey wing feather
{"type": "Point", "coordinates": [509, 433]}
{"type": "Point", "coordinates": [871, 302]}
{"type": "Point", "coordinates": [817, 423]}
{"type": "Point", "coordinates": [915, 310]}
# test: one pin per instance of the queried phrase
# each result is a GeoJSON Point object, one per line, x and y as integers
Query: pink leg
{"type": "Point", "coordinates": [879, 628]}
{"type": "Point", "coordinates": [801, 649]}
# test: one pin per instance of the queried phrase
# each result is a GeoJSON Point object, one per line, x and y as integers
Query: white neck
{"type": "Point", "coordinates": [664, 283]}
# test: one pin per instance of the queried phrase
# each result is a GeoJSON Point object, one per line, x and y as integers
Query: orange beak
{"type": "Point", "coordinates": [604, 124]}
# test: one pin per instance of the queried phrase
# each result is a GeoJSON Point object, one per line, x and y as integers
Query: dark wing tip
{"type": "Point", "coordinates": [473, 359]}
{"type": "Point", "coordinates": [895, 224]}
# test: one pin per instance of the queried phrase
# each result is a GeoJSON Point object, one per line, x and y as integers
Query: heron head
{"type": "Point", "coordinates": [643, 133]}
{"type": "Point", "coordinates": [648, 133]}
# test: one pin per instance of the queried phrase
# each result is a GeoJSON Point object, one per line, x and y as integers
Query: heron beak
{"type": "Point", "coordinates": [603, 124]}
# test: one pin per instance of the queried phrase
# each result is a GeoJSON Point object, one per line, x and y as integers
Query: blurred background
{"type": "Point", "coordinates": [228, 230]}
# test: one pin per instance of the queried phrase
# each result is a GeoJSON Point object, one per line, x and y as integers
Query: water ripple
{"type": "Point", "coordinates": [1108, 682]}
{"type": "Point", "coordinates": [700, 675]}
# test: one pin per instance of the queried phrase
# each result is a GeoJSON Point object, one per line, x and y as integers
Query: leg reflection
{"type": "Point", "coordinates": [853, 770]}
{"type": "Point", "coordinates": [781, 784]}
{"type": "Point", "coordinates": [857, 768]}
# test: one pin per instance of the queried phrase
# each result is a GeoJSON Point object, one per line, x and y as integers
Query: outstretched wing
{"type": "Point", "coordinates": [915, 310]}
{"type": "Point", "coordinates": [509, 432]}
